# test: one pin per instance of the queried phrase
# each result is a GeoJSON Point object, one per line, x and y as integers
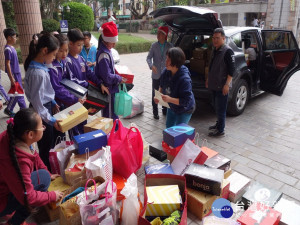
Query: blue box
{"type": "Point", "coordinates": [177, 135]}
{"type": "Point", "coordinates": [92, 140]}
{"type": "Point", "coordinates": [164, 168]}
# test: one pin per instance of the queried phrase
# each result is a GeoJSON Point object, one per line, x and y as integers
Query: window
{"type": "Point", "coordinates": [229, 19]}
{"type": "Point", "coordinates": [127, 5]}
{"type": "Point", "coordinates": [237, 40]}
{"type": "Point", "coordinates": [279, 40]}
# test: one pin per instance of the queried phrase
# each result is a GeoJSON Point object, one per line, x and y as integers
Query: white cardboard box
{"type": "Point", "coordinates": [290, 212]}
{"type": "Point", "coordinates": [238, 185]}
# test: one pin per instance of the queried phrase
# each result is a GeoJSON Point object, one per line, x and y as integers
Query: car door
{"type": "Point", "coordinates": [280, 60]}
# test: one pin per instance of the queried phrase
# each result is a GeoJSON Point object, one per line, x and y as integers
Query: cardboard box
{"type": "Point", "coordinates": [53, 214]}
{"type": "Point", "coordinates": [93, 140]}
{"type": "Point", "coordinates": [227, 173]}
{"type": "Point", "coordinates": [238, 185]}
{"type": "Point", "coordinates": [199, 53]}
{"type": "Point", "coordinates": [204, 179]}
{"type": "Point", "coordinates": [57, 185]}
{"type": "Point", "coordinates": [125, 72]}
{"type": "Point", "coordinates": [156, 151]}
{"type": "Point", "coordinates": [199, 203]}
{"type": "Point", "coordinates": [218, 162]}
{"type": "Point", "coordinates": [164, 168]}
{"type": "Point", "coordinates": [71, 116]}
{"type": "Point", "coordinates": [74, 88]}
{"type": "Point", "coordinates": [209, 152]}
{"type": "Point", "coordinates": [169, 149]}
{"type": "Point", "coordinates": [177, 135]}
{"type": "Point", "coordinates": [259, 193]}
{"type": "Point", "coordinates": [260, 214]}
{"type": "Point", "coordinates": [225, 189]}
{"type": "Point", "coordinates": [164, 199]}
{"type": "Point", "coordinates": [99, 123]}
{"type": "Point", "coordinates": [197, 65]}
{"type": "Point", "coordinates": [289, 210]}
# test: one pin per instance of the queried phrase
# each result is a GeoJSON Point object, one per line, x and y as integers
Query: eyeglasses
{"type": "Point", "coordinates": [43, 128]}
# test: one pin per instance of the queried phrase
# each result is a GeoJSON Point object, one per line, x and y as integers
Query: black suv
{"type": "Point", "coordinates": [276, 53]}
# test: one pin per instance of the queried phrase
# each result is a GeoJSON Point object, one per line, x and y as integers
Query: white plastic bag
{"type": "Point", "coordinates": [137, 106]}
{"type": "Point", "coordinates": [100, 164]}
{"type": "Point", "coordinates": [131, 206]}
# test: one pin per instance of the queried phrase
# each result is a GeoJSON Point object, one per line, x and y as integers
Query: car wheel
{"type": "Point", "coordinates": [239, 99]}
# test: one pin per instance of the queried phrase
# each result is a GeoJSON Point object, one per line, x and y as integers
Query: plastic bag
{"type": "Point", "coordinates": [131, 205]}
{"type": "Point", "coordinates": [102, 211]}
{"type": "Point", "coordinates": [123, 102]}
{"type": "Point", "coordinates": [137, 106]}
{"type": "Point", "coordinates": [100, 164]}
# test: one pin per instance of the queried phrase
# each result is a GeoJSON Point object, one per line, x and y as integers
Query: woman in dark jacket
{"type": "Point", "coordinates": [176, 89]}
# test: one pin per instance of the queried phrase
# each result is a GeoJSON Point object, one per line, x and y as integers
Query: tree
{"type": "Point", "coordinates": [135, 8]}
{"type": "Point", "coordinates": [9, 15]}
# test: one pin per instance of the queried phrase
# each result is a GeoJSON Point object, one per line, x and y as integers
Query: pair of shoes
{"type": "Point", "coordinates": [216, 133]}
{"type": "Point", "coordinates": [213, 127]}
{"type": "Point", "coordinates": [8, 112]}
{"type": "Point", "coordinates": [156, 117]}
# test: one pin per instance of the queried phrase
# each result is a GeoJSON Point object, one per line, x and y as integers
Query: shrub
{"type": "Point", "coordinates": [80, 16]}
{"type": "Point", "coordinates": [133, 47]}
{"type": "Point", "coordinates": [155, 25]}
{"type": "Point", "coordinates": [19, 55]}
{"type": "Point", "coordinates": [9, 14]}
{"type": "Point", "coordinates": [50, 25]}
{"type": "Point", "coordinates": [132, 27]}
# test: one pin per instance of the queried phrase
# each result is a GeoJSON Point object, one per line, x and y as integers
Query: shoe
{"type": "Point", "coordinates": [5, 103]}
{"type": "Point", "coordinates": [8, 112]}
{"type": "Point", "coordinates": [156, 117]}
{"type": "Point", "coordinates": [216, 133]}
{"type": "Point", "coordinates": [213, 127]}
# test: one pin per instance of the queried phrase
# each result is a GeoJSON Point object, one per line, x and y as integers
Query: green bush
{"type": "Point", "coordinates": [127, 48]}
{"type": "Point", "coordinates": [155, 25]}
{"type": "Point", "coordinates": [50, 25]}
{"type": "Point", "coordinates": [9, 14]}
{"type": "Point", "coordinates": [19, 55]}
{"type": "Point", "coordinates": [132, 27]}
{"type": "Point", "coordinates": [80, 16]}
{"type": "Point", "coordinates": [122, 25]}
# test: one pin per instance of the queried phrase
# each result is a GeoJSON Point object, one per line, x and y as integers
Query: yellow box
{"type": "Point", "coordinates": [164, 200]}
{"type": "Point", "coordinates": [72, 116]}
{"type": "Point", "coordinates": [57, 185]}
{"type": "Point", "coordinates": [199, 203]}
{"type": "Point", "coordinates": [99, 123]}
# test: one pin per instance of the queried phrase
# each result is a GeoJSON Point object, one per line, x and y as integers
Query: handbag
{"type": "Point", "coordinates": [95, 99]}
{"type": "Point", "coordinates": [101, 211]}
{"type": "Point", "coordinates": [123, 102]}
{"type": "Point", "coordinates": [100, 164]}
{"type": "Point", "coordinates": [126, 147]}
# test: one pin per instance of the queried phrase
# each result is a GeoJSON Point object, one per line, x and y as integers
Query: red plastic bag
{"type": "Point", "coordinates": [126, 149]}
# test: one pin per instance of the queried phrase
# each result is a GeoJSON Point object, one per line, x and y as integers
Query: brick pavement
{"type": "Point", "coordinates": [263, 143]}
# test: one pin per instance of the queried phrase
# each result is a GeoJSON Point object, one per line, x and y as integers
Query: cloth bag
{"type": "Point", "coordinates": [123, 102]}
{"type": "Point", "coordinates": [100, 164]}
{"type": "Point", "coordinates": [127, 147]}
{"type": "Point", "coordinates": [101, 211]}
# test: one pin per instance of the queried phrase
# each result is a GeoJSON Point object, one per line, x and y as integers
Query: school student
{"type": "Point", "coordinates": [24, 178]}
{"type": "Point", "coordinates": [89, 51]}
{"type": "Point", "coordinates": [12, 69]}
{"type": "Point", "coordinates": [105, 65]}
{"type": "Point", "coordinates": [39, 91]}
{"type": "Point", "coordinates": [3, 92]}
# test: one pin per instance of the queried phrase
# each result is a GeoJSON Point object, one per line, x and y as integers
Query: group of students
{"type": "Point", "coordinates": [24, 174]}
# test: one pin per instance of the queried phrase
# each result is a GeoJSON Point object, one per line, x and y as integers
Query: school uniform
{"type": "Point", "coordinates": [10, 54]}
{"type": "Point", "coordinates": [41, 95]}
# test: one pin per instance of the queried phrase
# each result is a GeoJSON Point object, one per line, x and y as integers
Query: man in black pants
{"type": "Point", "coordinates": [221, 70]}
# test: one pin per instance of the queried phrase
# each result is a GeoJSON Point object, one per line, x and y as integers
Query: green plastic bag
{"type": "Point", "coordinates": [123, 102]}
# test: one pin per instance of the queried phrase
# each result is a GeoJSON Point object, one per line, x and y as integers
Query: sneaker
{"type": "Point", "coordinates": [156, 117]}
{"type": "Point", "coordinates": [213, 127]}
{"type": "Point", "coordinates": [8, 112]}
{"type": "Point", "coordinates": [216, 133]}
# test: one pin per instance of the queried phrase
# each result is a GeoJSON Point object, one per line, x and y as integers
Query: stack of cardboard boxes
{"type": "Point", "coordinates": [200, 61]}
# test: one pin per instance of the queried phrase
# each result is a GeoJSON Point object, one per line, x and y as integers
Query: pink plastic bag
{"type": "Point", "coordinates": [126, 149]}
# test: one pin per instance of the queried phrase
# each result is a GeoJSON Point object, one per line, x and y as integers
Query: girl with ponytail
{"type": "Point", "coordinates": [24, 178]}
{"type": "Point", "coordinates": [39, 91]}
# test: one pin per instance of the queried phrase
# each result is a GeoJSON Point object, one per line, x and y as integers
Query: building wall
{"type": "Point", "coordinates": [240, 8]}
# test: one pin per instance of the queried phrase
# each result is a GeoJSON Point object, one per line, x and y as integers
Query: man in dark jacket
{"type": "Point", "coordinates": [221, 71]}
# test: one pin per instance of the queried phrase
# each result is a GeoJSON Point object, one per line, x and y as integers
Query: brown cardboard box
{"type": "Point", "coordinates": [57, 185]}
{"type": "Point", "coordinates": [99, 123]}
{"type": "Point", "coordinates": [199, 53]}
{"type": "Point", "coordinates": [53, 214]}
{"type": "Point", "coordinates": [227, 173]}
{"type": "Point", "coordinates": [199, 203]}
{"type": "Point", "coordinates": [197, 65]}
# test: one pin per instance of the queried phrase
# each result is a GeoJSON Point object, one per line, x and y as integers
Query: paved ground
{"type": "Point", "coordinates": [263, 143]}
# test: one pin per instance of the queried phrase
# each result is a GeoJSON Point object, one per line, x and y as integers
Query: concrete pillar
{"type": "Point", "coordinates": [2, 39]}
{"type": "Point", "coordinates": [29, 21]}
